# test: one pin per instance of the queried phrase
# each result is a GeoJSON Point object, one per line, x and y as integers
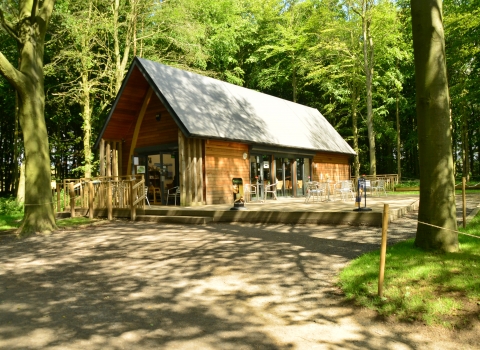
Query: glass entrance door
{"type": "Point", "coordinates": [283, 168]}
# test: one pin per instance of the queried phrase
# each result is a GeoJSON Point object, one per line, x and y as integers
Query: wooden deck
{"type": "Point", "coordinates": [283, 210]}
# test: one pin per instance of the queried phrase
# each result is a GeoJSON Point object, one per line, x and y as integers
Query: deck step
{"type": "Point", "coordinates": [194, 220]}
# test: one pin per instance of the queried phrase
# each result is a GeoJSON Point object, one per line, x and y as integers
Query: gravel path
{"type": "Point", "coordinates": [125, 285]}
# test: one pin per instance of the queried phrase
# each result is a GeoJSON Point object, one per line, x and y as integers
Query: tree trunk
{"type": "Point", "coordinates": [87, 126]}
{"type": "Point", "coordinates": [437, 183]}
{"type": "Point", "coordinates": [356, 159]}
{"type": "Point", "coordinates": [121, 58]}
{"type": "Point", "coordinates": [21, 185]}
{"type": "Point", "coordinates": [28, 81]}
{"type": "Point", "coordinates": [465, 146]}
{"type": "Point", "coordinates": [399, 144]}
{"type": "Point", "coordinates": [368, 67]}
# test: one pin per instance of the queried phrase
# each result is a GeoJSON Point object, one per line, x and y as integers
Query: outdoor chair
{"type": "Point", "coordinates": [344, 189]}
{"type": "Point", "coordinates": [271, 189]}
{"type": "Point", "coordinates": [173, 192]}
{"type": "Point", "coordinates": [280, 186]}
{"type": "Point", "coordinates": [314, 191]}
{"type": "Point", "coordinates": [249, 190]}
{"type": "Point", "coordinates": [379, 186]}
{"type": "Point", "coordinates": [146, 196]}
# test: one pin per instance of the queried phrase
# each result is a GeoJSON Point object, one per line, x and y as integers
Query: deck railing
{"type": "Point", "coordinates": [107, 192]}
{"type": "Point", "coordinates": [390, 180]}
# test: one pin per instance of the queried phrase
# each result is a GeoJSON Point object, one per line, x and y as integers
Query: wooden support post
{"type": "Point", "coordinates": [114, 161]}
{"type": "Point", "coordinates": [109, 201]}
{"type": "Point", "coordinates": [90, 199]}
{"type": "Point", "coordinates": [102, 157]}
{"type": "Point", "coordinates": [120, 155]}
{"type": "Point", "coordinates": [138, 124]}
{"type": "Point", "coordinates": [182, 167]}
{"type": "Point", "coordinates": [59, 202]}
{"type": "Point", "coordinates": [464, 201]}
{"type": "Point", "coordinates": [65, 193]}
{"type": "Point", "coordinates": [200, 172]}
{"type": "Point", "coordinates": [108, 151]}
{"type": "Point", "coordinates": [71, 192]}
{"type": "Point", "coordinates": [133, 213]}
{"type": "Point", "coordinates": [383, 249]}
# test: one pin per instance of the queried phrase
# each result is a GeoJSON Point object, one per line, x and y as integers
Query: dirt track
{"type": "Point", "coordinates": [226, 286]}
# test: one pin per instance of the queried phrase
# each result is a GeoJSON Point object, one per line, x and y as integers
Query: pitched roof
{"type": "Point", "coordinates": [209, 108]}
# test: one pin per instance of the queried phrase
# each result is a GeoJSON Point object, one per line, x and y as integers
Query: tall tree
{"type": "Point", "coordinates": [437, 183]}
{"type": "Point", "coordinates": [364, 9]}
{"type": "Point", "coordinates": [28, 26]}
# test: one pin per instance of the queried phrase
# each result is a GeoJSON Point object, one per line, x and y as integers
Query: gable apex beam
{"type": "Point", "coordinates": [138, 124]}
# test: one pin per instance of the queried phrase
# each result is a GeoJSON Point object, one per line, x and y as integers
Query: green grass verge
{"type": "Point", "coordinates": [434, 288]}
{"type": "Point", "coordinates": [10, 221]}
{"type": "Point", "coordinates": [72, 222]}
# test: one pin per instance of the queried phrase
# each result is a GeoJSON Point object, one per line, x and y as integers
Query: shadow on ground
{"type": "Point", "coordinates": [149, 286]}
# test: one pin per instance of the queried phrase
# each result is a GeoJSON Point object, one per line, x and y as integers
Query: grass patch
{"type": "Point", "coordinates": [11, 215]}
{"type": "Point", "coordinates": [72, 222]}
{"type": "Point", "coordinates": [10, 221]}
{"type": "Point", "coordinates": [433, 288]}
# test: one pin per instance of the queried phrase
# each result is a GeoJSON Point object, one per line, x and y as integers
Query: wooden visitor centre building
{"type": "Point", "coordinates": [209, 137]}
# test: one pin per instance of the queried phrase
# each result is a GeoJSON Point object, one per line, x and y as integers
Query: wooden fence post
{"type": "Point", "coordinates": [383, 249]}
{"type": "Point", "coordinates": [464, 202]}
{"type": "Point", "coordinates": [90, 200]}
{"type": "Point", "coordinates": [109, 200]}
{"type": "Point", "coordinates": [133, 213]}
{"type": "Point", "coordinates": [71, 192]}
{"type": "Point", "coordinates": [59, 204]}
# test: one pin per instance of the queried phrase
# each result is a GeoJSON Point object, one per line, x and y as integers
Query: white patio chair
{"type": "Point", "coordinates": [379, 186]}
{"type": "Point", "coordinates": [173, 192]}
{"type": "Point", "coordinates": [146, 196]}
{"type": "Point", "coordinates": [314, 191]}
{"type": "Point", "coordinates": [344, 189]}
{"type": "Point", "coordinates": [248, 191]}
{"type": "Point", "coordinates": [271, 189]}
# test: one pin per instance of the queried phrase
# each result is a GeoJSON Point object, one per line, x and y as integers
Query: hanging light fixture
{"type": "Point", "coordinates": [158, 117]}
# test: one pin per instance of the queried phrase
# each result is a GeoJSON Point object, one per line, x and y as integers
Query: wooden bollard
{"type": "Point", "coordinates": [464, 202]}
{"type": "Point", "coordinates": [109, 200]}
{"type": "Point", "coordinates": [90, 200]}
{"type": "Point", "coordinates": [59, 205]}
{"type": "Point", "coordinates": [133, 212]}
{"type": "Point", "coordinates": [383, 249]}
{"type": "Point", "coordinates": [71, 193]}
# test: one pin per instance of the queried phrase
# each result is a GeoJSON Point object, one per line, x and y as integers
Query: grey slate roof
{"type": "Point", "coordinates": [211, 108]}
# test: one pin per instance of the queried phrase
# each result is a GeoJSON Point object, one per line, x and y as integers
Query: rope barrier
{"type": "Point", "coordinates": [28, 204]}
{"type": "Point", "coordinates": [443, 228]}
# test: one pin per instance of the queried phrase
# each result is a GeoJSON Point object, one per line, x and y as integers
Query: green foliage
{"type": "Point", "coordinates": [421, 286]}
{"type": "Point", "coordinates": [9, 206]}
{"type": "Point", "coordinates": [310, 51]}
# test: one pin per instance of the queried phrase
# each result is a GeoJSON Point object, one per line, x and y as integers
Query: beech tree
{"type": "Point", "coordinates": [28, 25]}
{"type": "Point", "coordinates": [437, 182]}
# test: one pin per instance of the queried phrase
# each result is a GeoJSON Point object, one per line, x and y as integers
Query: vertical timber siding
{"type": "Point", "coordinates": [337, 166]}
{"type": "Point", "coordinates": [191, 170]}
{"type": "Point", "coordinates": [223, 162]}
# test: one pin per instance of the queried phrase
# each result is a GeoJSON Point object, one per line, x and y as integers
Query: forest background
{"type": "Point", "coordinates": [352, 60]}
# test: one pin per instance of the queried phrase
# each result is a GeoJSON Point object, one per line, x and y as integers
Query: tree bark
{"type": "Point", "coordinates": [437, 183]}
{"type": "Point", "coordinates": [356, 159]}
{"type": "Point", "coordinates": [399, 143]}
{"type": "Point", "coordinates": [28, 81]}
{"type": "Point", "coordinates": [368, 67]}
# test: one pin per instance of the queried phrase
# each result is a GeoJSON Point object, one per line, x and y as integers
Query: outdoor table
{"type": "Point", "coordinates": [327, 187]}
{"type": "Point", "coordinates": [260, 187]}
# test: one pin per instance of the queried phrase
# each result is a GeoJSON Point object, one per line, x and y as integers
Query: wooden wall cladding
{"type": "Point", "coordinates": [223, 162]}
{"type": "Point", "coordinates": [122, 121]}
{"type": "Point", "coordinates": [153, 132]}
{"type": "Point", "coordinates": [191, 170]}
{"type": "Point", "coordinates": [337, 166]}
